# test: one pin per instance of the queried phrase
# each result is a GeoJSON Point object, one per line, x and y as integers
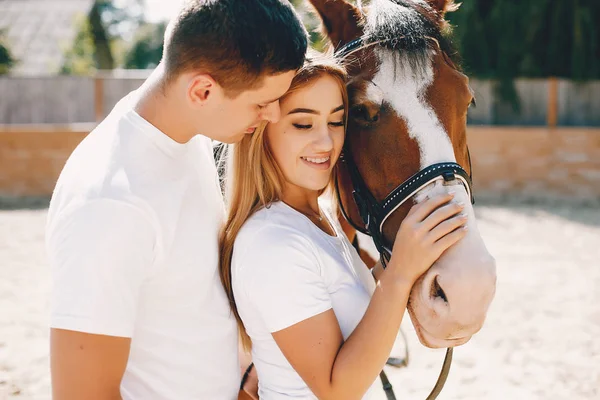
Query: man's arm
{"type": "Point", "coordinates": [99, 255]}
{"type": "Point", "coordinates": [87, 366]}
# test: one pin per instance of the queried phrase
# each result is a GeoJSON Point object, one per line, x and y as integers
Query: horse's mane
{"type": "Point", "coordinates": [410, 26]}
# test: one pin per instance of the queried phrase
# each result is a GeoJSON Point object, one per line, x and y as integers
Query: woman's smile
{"type": "Point", "coordinates": [321, 163]}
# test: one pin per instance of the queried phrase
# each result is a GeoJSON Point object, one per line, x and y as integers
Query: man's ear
{"type": "Point", "coordinates": [202, 88]}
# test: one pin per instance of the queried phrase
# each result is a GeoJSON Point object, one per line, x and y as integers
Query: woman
{"type": "Point", "coordinates": [316, 321]}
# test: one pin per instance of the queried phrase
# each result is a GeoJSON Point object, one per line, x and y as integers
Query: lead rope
{"type": "Point", "coordinates": [441, 381]}
{"type": "Point", "coordinates": [387, 386]}
{"type": "Point", "coordinates": [385, 382]}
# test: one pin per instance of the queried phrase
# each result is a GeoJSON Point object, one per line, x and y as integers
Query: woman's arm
{"type": "Point", "coordinates": [377, 271]}
{"type": "Point", "coordinates": [334, 369]}
{"type": "Point", "coordinates": [337, 370]}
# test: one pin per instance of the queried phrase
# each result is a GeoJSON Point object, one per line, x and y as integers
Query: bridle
{"type": "Point", "coordinates": [374, 214]}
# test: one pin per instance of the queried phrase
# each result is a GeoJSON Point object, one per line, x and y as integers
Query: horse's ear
{"type": "Point", "coordinates": [443, 6]}
{"type": "Point", "coordinates": [341, 20]}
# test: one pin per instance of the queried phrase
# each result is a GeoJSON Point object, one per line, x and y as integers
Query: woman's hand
{"type": "Point", "coordinates": [428, 230]}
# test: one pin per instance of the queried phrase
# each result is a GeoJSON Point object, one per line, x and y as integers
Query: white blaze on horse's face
{"type": "Point", "coordinates": [404, 90]}
{"type": "Point", "coordinates": [449, 303]}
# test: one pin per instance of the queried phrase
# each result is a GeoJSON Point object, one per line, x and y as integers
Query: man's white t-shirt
{"type": "Point", "coordinates": [132, 239]}
{"type": "Point", "coordinates": [286, 270]}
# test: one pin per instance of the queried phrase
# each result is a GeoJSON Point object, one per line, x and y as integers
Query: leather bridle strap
{"type": "Point", "coordinates": [374, 214]}
{"type": "Point", "coordinates": [447, 172]}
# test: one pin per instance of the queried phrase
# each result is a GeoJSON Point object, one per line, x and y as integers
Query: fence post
{"type": "Point", "coordinates": [99, 97]}
{"type": "Point", "coordinates": [552, 113]}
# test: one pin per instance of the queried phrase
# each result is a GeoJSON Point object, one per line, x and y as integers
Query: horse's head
{"type": "Point", "coordinates": [408, 110]}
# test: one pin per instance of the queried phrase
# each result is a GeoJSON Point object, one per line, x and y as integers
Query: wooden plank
{"type": "Point", "coordinates": [552, 113]}
{"type": "Point", "coordinates": [99, 98]}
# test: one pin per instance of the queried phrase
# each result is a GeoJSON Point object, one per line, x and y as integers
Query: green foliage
{"type": "Point", "coordinates": [312, 23]}
{"type": "Point", "coordinates": [79, 58]}
{"type": "Point", "coordinates": [102, 37]}
{"type": "Point", "coordinates": [504, 39]}
{"type": "Point", "coordinates": [147, 48]}
{"type": "Point", "coordinates": [121, 21]}
{"type": "Point", "coordinates": [6, 59]}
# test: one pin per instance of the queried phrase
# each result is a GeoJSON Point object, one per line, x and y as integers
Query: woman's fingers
{"type": "Point", "coordinates": [441, 214]}
{"type": "Point", "coordinates": [430, 228]}
{"type": "Point", "coordinates": [449, 240]}
{"type": "Point", "coordinates": [422, 210]}
{"type": "Point", "coordinates": [445, 227]}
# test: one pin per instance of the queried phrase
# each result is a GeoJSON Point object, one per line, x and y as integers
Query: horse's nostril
{"type": "Point", "coordinates": [437, 291]}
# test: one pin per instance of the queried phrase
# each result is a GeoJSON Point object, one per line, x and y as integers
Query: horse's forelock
{"type": "Point", "coordinates": [411, 27]}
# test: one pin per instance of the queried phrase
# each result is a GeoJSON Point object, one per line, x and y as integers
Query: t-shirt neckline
{"type": "Point", "coordinates": [337, 234]}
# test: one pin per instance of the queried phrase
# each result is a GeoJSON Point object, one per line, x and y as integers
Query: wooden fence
{"type": "Point", "coordinates": [549, 102]}
{"type": "Point", "coordinates": [549, 148]}
{"type": "Point", "coordinates": [70, 99]}
{"type": "Point", "coordinates": [531, 161]}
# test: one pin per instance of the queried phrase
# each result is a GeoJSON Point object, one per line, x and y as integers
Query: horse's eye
{"type": "Point", "coordinates": [365, 114]}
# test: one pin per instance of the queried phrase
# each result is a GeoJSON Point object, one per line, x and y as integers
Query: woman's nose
{"type": "Point", "coordinates": [324, 139]}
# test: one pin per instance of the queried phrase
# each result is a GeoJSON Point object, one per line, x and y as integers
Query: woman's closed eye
{"type": "Point", "coordinates": [309, 126]}
{"type": "Point", "coordinates": [302, 126]}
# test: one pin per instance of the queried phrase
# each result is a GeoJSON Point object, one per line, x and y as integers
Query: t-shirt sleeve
{"type": "Point", "coordinates": [100, 253]}
{"type": "Point", "coordinates": [281, 275]}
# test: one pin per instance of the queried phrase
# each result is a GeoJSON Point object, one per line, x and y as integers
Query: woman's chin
{"type": "Point", "coordinates": [314, 186]}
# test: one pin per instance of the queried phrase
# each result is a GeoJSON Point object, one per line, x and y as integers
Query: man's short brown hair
{"type": "Point", "coordinates": [235, 41]}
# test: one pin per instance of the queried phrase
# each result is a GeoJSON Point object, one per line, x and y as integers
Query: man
{"type": "Point", "coordinates": [138, 311]}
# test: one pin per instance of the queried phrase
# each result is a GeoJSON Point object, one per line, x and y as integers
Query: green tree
{"type": "Point", "coordinates": [312, 23]}
{"type": "Point", "coordinates": [505, 39]}
{"type": "Point", "coordinates": [147, 47]}
{"type": "Point", "coordinates": [6, 59]}
{"type": "Point", "coordinates": [101, 37]}
{"type": "Point", "coordinates": [79, 58]}
{"type": "Point", "coordinates": [123, 20]}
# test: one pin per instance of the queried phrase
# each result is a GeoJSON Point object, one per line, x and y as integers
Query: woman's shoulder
{"type": "Point", "coordinates": [273, 230]}
{"type": "Point", "coordinates": [272, 223]}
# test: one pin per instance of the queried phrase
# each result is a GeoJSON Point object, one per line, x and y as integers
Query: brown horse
{"type": "Point", "coordinates": [408, 111]}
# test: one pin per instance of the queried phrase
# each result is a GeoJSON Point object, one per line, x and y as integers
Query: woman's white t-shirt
{"type": "Point", "coordinates": [286, 270]}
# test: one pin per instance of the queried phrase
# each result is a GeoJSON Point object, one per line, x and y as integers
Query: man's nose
{"type": "Point", "coordinates": [271, 112]}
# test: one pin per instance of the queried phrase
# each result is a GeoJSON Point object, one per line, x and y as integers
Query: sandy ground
{"type": "Point", "coordinates": [541, 339]}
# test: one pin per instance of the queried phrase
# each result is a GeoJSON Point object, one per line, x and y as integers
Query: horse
{"type": "Point", "coordinates": [405, 141]}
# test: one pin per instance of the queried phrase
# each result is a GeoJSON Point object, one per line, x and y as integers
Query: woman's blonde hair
{"type": "Point", "coordinates": [253, 178]}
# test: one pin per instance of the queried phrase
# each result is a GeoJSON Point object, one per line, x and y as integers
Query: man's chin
{"type": "Point", "coordinates": [234, 139]}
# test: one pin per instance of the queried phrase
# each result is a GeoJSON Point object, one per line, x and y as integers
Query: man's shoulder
{"type": "Point", "coordinates": [77, 210]}
{"type": "Point", "coordinates": [108, 166]}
